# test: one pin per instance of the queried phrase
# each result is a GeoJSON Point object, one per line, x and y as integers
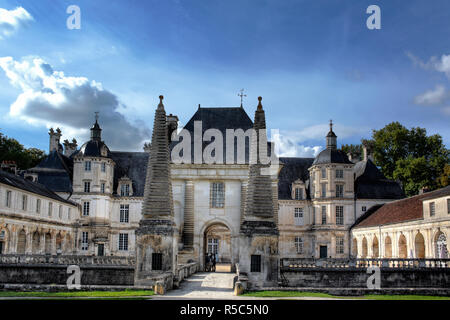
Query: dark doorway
{"type": "Point", "coordinates": [1, 247]}
{"type": "Point", "coordinates": [101, 250]}
{"type": "Point", "coordinates": [323, 252]}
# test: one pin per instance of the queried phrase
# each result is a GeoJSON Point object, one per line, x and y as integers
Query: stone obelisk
{"type": "Point", "coordinates": [258, 250]}
{"type": "Point", "coordinates": [155, 244]}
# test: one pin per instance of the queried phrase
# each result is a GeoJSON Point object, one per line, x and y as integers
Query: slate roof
{"type": "Point", "coordinates": [55, 172]}
{"type": "Point", "coordinates": [221, 119]}
{"type": "Point", "coordinates": [134, 166]}
{"type": "Point", "coordinates": [92, 148]}
{"type": "Point", "coordinates": [293, 169]}
{"type": "Point", "coordinates": [438, 193]}
{"type": "Point", "coordinates": [27, 185]}
{"type": "Point", "coordinates": [331, 156]}
{"type": "Point", "coordinates": [397, 211]}
{"type": "Point", "coordinates": [370, 183]}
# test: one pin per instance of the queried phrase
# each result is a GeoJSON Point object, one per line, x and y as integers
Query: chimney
{"type": "Point", "coordinates": [367, 151]}
{"type": "Point", "coordinates": [147, 147]}
{"type": "Point", "coordinates": [172, 125]}
{"type": "Point", "coordinates": [70, 147]}
{"type": "Point", "coordinates": [54, 139]}
{"type": "Point", "coordinates": [9, 166]}
{"type": "Point", "coordinates": [350, 156]}
{"type": "Point", "coordinates": [424, 190]}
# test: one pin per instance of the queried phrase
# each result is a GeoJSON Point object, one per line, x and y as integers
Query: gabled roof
{"type": "Point", "coordinates": [134, 166]}
{"type": "Point", "coordinates": [293, 169]}
{"type": "Point", "coordinates": [395, 212]}
{"type": "Point", "coordinates": [370, 183]}
{"type": "Point", "coordinates": [27, 185]}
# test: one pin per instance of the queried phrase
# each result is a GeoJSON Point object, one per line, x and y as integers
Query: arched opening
{"type": "Point", "coordinates": [419, 244]}
{"type": "Point", "coordinates": [402, 247]}
{"type": "Point", "coordinates": [48, 243]}
{"type": "Point", "coordinates": [355, 247]}
{"type": "Point", "coordinates": [217, 242]}
{"type": "Point", "coordinates": [441, 249]}
{"type": "Point", "coordinates": [364, 248]}
{"type": "Point", "coordinates": [58, 243]}
{"type": "Point", "coordinates": [4, 239]}
{"type": "Point", "coordinates": [388, 247]}
{"type": "Point", "coordinates": [375, 248]}
{"type": "Point", "coordinates": [68, 244]}
{"type": "Point", "coordinates": [21, 242]}
{"type": "Point", "coordinates": [36, 243]}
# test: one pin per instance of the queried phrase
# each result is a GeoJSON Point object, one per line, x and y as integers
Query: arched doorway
{"type": "Point", "coordinates": [58, 243]}
{"type": "Point", "coordinates": [364, 248]}
{"type": "Point", "coordinates": [375, 248]}
{"type": "Point", "coordinates": [419, 244]}
{"type": "Point", "coordinates": [355, 247]}
{"type": "Point", "coordinates": [36, 243]}
{"type": "Point", "coordinates": [402, 247]}
{"type": "Point", "coordinates": [21, 242]}
{"type": "Point", "coordinates": [441, 249]}
{"type": "Point", "coordinates": [388, 247]}
{"type": "Point", "coordinates": [217, 241]}
{"type": "Point", "coordinates": [48, 243]}
{"type": "Point", "coordinates": [68, 244]}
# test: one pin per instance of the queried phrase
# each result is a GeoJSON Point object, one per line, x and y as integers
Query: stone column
{"type": "Point", "coordinates": [259, 231]}
{"type": "Point", "coordinates": [188, 229]}
{"type": "Point", "coordinates": [155, 236]}
{"type": "Point", "coordinates": [29, 243]}
{"type": "Point", "coordinates": [243, 199]}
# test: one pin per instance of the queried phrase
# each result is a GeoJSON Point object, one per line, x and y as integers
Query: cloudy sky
{"type": "Point", "coordinates": [310, 60]}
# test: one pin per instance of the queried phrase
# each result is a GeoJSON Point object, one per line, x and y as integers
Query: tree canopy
{"type": "Point", "coordinates": [11, 149]}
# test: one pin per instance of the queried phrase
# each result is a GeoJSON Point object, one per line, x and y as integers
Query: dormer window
{"type": "Point", "coordinates": [125, 187]}
{"type": "Point", "coordinates": [298, 193]}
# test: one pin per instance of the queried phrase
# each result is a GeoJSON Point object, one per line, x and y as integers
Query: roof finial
{"type": "Point", "coordinates": [331, 125]}
{"type": "Point", "coordinates": [96, 116]}
{"type": "Point", "coordinates": [160, 105]}
{"type": "Point", "coordinates": [259, 103]}
{"type": "Point", "coordinates": [242, 95]}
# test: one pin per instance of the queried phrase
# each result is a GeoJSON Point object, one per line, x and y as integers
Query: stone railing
{"type": "Point", "coordinates": [184, 271]}
{"type": "Point", "coordinates": [66, 260]}
{"type": "Point", "coordinates": [301, 263]}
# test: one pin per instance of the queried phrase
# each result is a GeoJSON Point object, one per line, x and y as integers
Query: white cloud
{"type": "Point", "coordinates": [11, 20]}
{"type": "Point", "coordinates": [288, 146]}
{"type": "Point", "coordinates": [51, 98]}
{"type": "Point", "coordinates": [432, 97]}
{"type": "Point", "coordinates": [441, 64]}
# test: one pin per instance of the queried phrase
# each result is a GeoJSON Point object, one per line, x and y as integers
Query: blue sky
{"type": "Point", "coordinates": [311, 61]}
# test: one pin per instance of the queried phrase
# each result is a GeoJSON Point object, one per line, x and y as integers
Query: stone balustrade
{"type": "Point", "coordinates": [66, 260]}
{"type": "Point", "coordinates": [302, 263]}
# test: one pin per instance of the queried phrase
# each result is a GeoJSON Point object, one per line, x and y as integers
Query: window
{"type": "Point", "coordinates": [339, 174]}
{"type": "Point", "coordinates": [217, 195]}
{"type": "Point", "coordinates": [103, 167]}
{"type": "Point", "coordinates": [299, 245]}
{"type": "Point", "coordinates": [124, 212]}
{"type": "Point", "coordinates": [8, 199]}
{"type": "Point", "coordinates": [102, 187]}
{"type": "Point", "coordinates": [125, 190]}
{"type": "Point", "coordinates": [324, 215]}
{"type": "Point", "coordinates": [38, 206]}
{"type": "Point", "coordinates": [213, 245]}
{"type": "Point", "coordinates": [339, 245]}
{"type": "Point", "coordinates": [298, 216]}
{"type": "Point", "coordinates": [87, 186]}
{"type": "Point", "coordinates": [123, 241]}
{"type": "Point", "coordinates": [432, 209]}
{"type": "Point", "coordinates": [324, 190]}
{"type": "Point", "coordinates": [298, 194]}
{"type": "Point", "coordinates": [255, 263]}
{"type": "Point", "coordinates": [50, 209]}
{"type": "Point", "coordinates": [84, 241]}
{"type": "Point", "coordinates": [324, 173]}
{"type": "Point", "coordinates": [156, 261]}
{"type": "Point", "coordinates": [340, 215]}
{"type": "Point", "coordinates": [87, 166]}
{"type": "Point", "coordinates": [24, 202]}
{"type": "Point", "coordinates": [448, 206]}
{"type": "Point", "coordinates": [339, 191]}
{"type": "Point", "coordinates": [60, 211]}
{"type": "Point", "coordinates": [85, 208]}
{"type": "Point", "coordinates": [364, 209]}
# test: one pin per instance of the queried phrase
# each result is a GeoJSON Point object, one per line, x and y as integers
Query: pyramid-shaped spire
{"type": "Point", "coordinates": [158, 189]}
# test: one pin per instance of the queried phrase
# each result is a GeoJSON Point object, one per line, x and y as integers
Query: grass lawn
{"type": "Point", "coordinates": [287, 294]}
{"type": "Point", "coordinates": [85, 294]}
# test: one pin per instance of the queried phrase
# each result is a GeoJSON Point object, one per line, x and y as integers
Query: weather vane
{"type": "Point", "coordinates": [96, 115]}
{"type": "Point", "coordinates": [242, 95]}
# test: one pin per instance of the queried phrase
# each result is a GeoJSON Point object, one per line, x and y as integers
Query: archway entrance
{"type": "Point", "coordinates": [217, 242]}
{"type": "Point", "coordinates": [402, 248]}
{"type": "Point", "coordinates": [419, 244]}
{"type": "Point", "coordinates": [364, 248]}
{"type": "Point", "coordinates": [375, 247]}
{"type": "Point", "coordinates": [441, 246]}
{"type": "Point", "coordinates": [388, 247]}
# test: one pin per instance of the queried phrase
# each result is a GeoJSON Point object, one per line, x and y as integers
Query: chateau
{"type": "Point", "coordinates": [90, 200]}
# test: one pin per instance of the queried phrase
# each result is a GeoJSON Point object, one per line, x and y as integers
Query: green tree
{"type": "Point", "coordinates": [412, 157]}
{"type": "Point", "coordinates": [354, 149]}
{"type": "Point", "coordinates": [11, 149]}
